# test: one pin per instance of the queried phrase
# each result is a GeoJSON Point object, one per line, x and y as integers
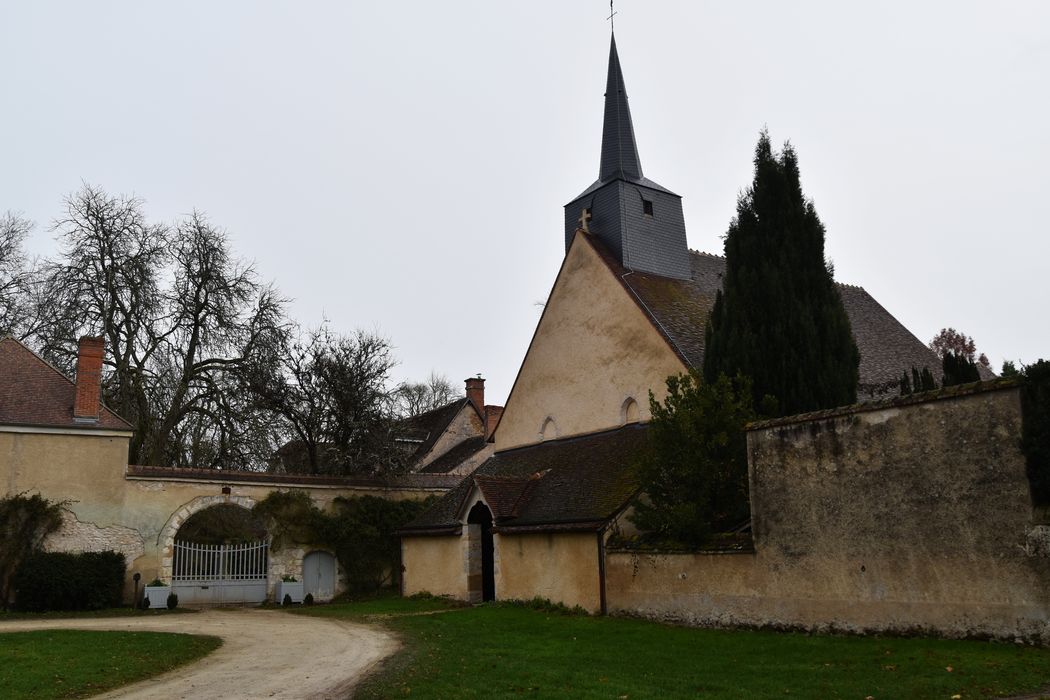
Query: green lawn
{"type": "Point", "coordinates": [498, 650]}
{"type": "Point", "coordinates": [47, 664]}
{"type": "Point", "coordinates": [106, 612]}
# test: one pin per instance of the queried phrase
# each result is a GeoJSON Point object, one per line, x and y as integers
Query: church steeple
{"type": "Point", "coordinates": [619, 150]}
{"type": "Point", "coordinates": [640, 222]}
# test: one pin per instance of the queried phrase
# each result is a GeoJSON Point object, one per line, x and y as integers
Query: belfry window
{"type": "Point", "coordinates": [647, 207]}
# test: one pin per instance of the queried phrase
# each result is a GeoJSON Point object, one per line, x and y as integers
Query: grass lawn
{"type": "Point", "coordinates": [500, 650]}
{"type": "Point", "coordinates": [47, 664]}
{"type": "Point", "coordinates": [107, 612]}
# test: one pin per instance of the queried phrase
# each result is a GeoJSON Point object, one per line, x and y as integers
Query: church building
{"type": "Point", "coordinates": [627, 309]}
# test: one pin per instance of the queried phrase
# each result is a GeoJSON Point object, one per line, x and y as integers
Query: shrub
{"type": "Point", "coordinates": [308, 599]}
{"type": "Point", "coordinates": [70, 581]}
{"type": "Point", "coordinates": [25, 522]}
{"type": "Point", "coordinates": [359, 531]}
{"type": "Point", "coordinates": [1035, 430]}
{"type": "Point", "coordinates": [693, 471]}
{"type": "Point", "coordinates": [287, 599]}
{"type": "Point", "coordinates": [173, 601]}
{"type": "Point", "coordinates": [144, 603]}
{"type": "Point", "coordinates": [546, 605]}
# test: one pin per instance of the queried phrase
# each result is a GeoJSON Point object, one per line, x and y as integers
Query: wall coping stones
{"type": "Point", "coordinates": [951, 392]}
{"type": "Point", "coordinates": [402, 481]}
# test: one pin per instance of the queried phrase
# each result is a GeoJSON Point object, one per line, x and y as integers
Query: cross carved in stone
{"type": "Point", "coordinates": [585, 218]}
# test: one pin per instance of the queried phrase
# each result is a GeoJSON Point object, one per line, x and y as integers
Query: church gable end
{"type": "Point", "coordinates": [593, 349]}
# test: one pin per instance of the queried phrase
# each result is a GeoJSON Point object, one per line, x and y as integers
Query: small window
{"type": "Point", "coordinates": [647, 207]}
{"type": "Point", "coordinates": [629, 412]}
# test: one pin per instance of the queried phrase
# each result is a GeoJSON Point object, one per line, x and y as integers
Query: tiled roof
{"type": "Point", "coordinates": [679, 310]}
{"type": "Point", "coordinates": [33, 393]}
{"type": "Point", "coordinates": [455, 456]}
{"type": "Point", "coordinates": [428, 427]}
{"type": "Point", "coordinates": [574, 483]}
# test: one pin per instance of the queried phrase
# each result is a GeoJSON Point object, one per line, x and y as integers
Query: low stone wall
{"type": "Point", "coordinates": [906, 516]}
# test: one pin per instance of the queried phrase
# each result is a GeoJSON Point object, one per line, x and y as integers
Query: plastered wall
{"type": "Point", "coordinates": [103, 509]}
{"type": "Point", "coordinates": [436, 565]}
{"type": "Point", "coordinates": [593, 349]}
{"type": "Point", "coordinates": [562, 567]}
{"type": "Point", "coordinates": [914, 517]}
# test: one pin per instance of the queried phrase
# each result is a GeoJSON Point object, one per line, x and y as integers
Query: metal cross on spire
{"type": "Point", "coordinates": [612, 13]}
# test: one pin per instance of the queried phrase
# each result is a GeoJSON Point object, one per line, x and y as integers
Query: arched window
{"type": "Point", "coordinates": [629, 412]}
{"type": "Point", "coordinates": [549, 430]}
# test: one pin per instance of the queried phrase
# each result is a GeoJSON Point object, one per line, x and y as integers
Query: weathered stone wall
{"type": "Point", "coordinates": [905, 517]}
{"type": "Point", "coordinates": [104, 508]}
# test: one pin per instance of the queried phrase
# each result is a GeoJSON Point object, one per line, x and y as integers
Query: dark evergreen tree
{"type": "Point", "coordinates": [906, 383]}
{"type": "Point", "coordinates": [917, 382]}
{"type": "Point", "coordinates": [958, 369]}
{"type": "Point", "coordinates": [779, 318]}
{"type": "Point", "coordinates": [693, 471]}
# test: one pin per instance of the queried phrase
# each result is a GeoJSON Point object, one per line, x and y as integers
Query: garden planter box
{"type": "Point", "coordinates": [157, 596]}
{"type": "Point", "coordinates": [292, 588]}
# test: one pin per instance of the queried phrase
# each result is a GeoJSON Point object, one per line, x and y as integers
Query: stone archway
{"type": "Point", "coordinates": [481, 577]}
{"type": "Point", "coordinates": [166, 536]}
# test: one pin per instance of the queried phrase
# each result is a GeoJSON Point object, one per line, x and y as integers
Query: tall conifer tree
{"type": "Point", "coordinates": [779, 318]}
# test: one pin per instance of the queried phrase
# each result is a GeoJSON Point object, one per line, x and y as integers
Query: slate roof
{"type": "Point", "coordinates": [576, 483]}
{"type": "Point", "coordinates": [428, 427]}
{"type": "Point", "coordinates": [455, 456]}
{"type": "Point", "coordinates": [679, 310]}
{"type": "Point", "coordinates": [619, 160]}
{"type": "Point", "coordinates": [33, 393]}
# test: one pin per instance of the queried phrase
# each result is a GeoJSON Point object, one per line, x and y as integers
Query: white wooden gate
{"type": "Point", "coordinates": [215, 574]}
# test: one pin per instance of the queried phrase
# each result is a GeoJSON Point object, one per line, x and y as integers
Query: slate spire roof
{"type": "Point", "coordinates": [619, 150]}
{"type": "Point", "coordinates": [640, 221]}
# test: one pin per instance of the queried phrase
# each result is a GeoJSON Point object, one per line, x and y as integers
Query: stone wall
{"type": "Point", "coordinates": [106, 506]}
{"type": "Point", "coordinates": [911, 515]}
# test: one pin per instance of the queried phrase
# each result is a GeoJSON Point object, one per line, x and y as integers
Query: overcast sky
{"type": "Point", "coordinates": [402, 166]}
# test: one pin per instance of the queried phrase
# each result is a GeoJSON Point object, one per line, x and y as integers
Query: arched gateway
{"type": "Point", "coordinates": [214, 572]}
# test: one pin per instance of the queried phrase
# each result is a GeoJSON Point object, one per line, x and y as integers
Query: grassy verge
{"type": "Point", "coordinates": [46, 664]}
{"type": "Point", "coordinates": [501, 651]}
{"type": "Point", "coordinates": [76, 614]}
{"type": "Point", "coordinates": [379, 606]}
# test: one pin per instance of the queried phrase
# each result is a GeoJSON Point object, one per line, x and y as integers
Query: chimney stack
{"type": "Point", "coordinates": [476, 393]}
{"type": "Point", "coordinates": [89, 380]}
{"type": "Point", "coordinates": [492, 416]}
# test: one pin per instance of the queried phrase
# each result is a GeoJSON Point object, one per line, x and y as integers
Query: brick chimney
{"type": "Point", "coordinates": [89, 380]}
{"type": "Point", "coordinates": [492, 416]}
{"type": "Point", "coordinates": [476, 393]}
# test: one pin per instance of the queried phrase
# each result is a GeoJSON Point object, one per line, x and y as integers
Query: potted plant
{"type": "Point", "coordinates": [157, 592]}
{"type": "Point", "coordinates": [289, 586]}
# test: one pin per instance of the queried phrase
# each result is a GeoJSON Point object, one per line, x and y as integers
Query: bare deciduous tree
{"type": "Point", "coordinates": [414, 398]}
{"type": "Point", "coordinates": [331, 393]}
{"type": "Point", "coordinates": [17, 273]}
{"type": "Point", "coordinates": [949, 340]}
{"type": "Point", "coordinates": [180, 317]}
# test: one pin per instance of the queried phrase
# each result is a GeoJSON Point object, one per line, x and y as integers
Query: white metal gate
{"type": "Point", "coordinates": [220, 573]}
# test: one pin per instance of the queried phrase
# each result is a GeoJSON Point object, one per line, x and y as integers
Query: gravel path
{"type": "Point", "coordinates": [265, 654]}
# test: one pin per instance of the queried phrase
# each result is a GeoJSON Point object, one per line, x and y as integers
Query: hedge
{"type": "Point", "coordinates": [70, 581]}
